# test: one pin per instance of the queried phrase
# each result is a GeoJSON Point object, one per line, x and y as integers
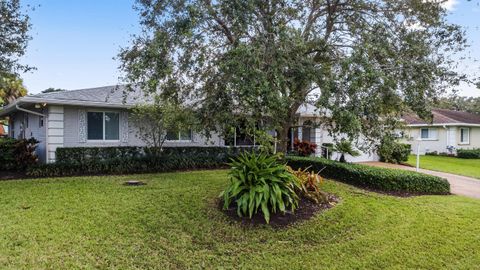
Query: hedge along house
{"type": "Point", "coordinates": [99, 117]}
{"type": "Point", "coordinates": [449, 130]}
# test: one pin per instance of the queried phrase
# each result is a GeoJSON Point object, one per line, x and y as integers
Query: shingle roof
{"type": "Point", "coordinates": [115, 94]}
{"type": "Point", "coordinates": [443, 116]}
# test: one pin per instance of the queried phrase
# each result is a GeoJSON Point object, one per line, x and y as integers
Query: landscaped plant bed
{"type": "Point", "coordinates": [305, 211]}
{"type": "Point", "coordinates": [11, 175]}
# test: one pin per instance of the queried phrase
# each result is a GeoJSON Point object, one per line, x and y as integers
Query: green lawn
{"type": "Point", "coordinates": [467, 167]}
{"type": "Point", "coordinates": [96, 222]}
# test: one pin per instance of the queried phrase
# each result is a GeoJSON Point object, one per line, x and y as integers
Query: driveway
{"type": "Point", "coordinates": [460, 185]}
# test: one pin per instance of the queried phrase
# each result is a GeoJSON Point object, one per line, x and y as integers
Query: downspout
{"type": "Point", "coordinates": [448, 136]}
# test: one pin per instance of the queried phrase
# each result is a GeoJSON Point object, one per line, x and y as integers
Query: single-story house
{"type": "Point", "coordinates": [100, 117]}
{"type": "Point", "coordinates": [450, 130]}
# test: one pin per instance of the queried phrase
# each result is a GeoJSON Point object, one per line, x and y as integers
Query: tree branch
{"type": "Point", "coordinates": [220, 22]}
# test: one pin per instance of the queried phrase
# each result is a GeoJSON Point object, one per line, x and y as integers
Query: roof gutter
{"type": "Point", "coordinates": [75, 102]}
{"type": "Point", "coordinates": [444, 125]}
{"type": "Point", "coordinates": [23, 100]}
{"type": "Point", "coordinates": [28, 111]}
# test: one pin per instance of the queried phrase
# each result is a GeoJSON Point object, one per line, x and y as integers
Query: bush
{"type": "Point", "coordinates": [258, 181]}
{"type": "Point", "coordinates": [17, 154]}
{"type": "Point", "coordinates": [74, 155]}
{"type": "Point", "coordinates": [468, 153]}
{"type": "Point", "coordinates": [309, 183]}
{"type": "Point", "coordinates": [345, 147]}
{"type": "Point", "coordinates": [123, 160]}
{"type": "Point", "coordinates": [393, 152]}
{"type": "Point", "coordinates": [304, 148]}
{"type": "Point", "coordinates": [388, 180]}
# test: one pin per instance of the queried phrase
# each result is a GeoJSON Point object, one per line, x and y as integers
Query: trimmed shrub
{"type": "Point", "coordinates": [123, 160]}
{"type": "Point", "coordinates": [468, 153]}
{"type": "Point", "coordinates": [17, 154]}
{"type": "Point", "coordinates": [388, 180]}
{"type": "Point", "coordinates": [393, 152]}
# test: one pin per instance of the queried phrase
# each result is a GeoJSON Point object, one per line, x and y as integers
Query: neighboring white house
{"type": "Point", "coordinates": [100, 117]}
{"type": "Point", "coordinates": [450, 130]}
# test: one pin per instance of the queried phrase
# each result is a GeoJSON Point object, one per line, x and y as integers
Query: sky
{"type": "Point", "coordinates": [74, 43]}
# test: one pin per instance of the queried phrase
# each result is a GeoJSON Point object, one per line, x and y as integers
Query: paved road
{"type": "Point", "coordinates": [460, 185]}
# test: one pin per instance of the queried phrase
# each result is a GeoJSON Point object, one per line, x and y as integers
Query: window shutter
{"type": "Point", "coordinates": [82, 126]}
{"type": "Point", "coordinates": [124, 126]}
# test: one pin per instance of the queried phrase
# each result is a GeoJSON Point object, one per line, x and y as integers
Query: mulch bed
{"type": "Point", "coordinates": [8, 175]}
{"type": "Point", "coordinates": [306, 210]}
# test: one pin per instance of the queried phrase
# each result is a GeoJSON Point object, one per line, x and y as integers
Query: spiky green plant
{"type": "Point", "coordinates": [259, 181]}
{"type": "Point", "coordinates": [345, 147]}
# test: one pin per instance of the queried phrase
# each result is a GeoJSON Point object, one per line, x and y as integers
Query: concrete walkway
{"type": "Point", "coordinates": [460, 185]}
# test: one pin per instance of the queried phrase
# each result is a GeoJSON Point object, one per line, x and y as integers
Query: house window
{"type": "Point", "coordinates": [103, 126]}
{"type": "Point", "coordinates": [40, 121]}
{"type": "Point", "coordinates": [183, 135]}
{"type": "Point", "coordinates": [428, 133]}
{"type": "Point", "coordinates": [465, 135]}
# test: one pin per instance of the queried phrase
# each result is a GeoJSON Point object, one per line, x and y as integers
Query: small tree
{"type": "Point", "coordinates": [153, 121]}
{"type": "Point", "coordinates": [345, 147]}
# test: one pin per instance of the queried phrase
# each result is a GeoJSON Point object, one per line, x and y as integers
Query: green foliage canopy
{"type": "Point", "coordinates": [14, 26]}
{"type": "Point", "coordinates": [361, 63]}
{"type": "Point", "coordinates": [460, 103]}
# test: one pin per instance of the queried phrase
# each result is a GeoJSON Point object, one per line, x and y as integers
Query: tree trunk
{"type": "Point", "coordinates": [283, 136]}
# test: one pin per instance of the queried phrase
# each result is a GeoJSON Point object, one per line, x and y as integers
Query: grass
{"type": "Point", "coordinates": [466, 167]}
{"type": "Point", "coordinates": [172, 223]}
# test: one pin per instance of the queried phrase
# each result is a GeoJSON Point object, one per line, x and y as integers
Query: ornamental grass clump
{"type": "Point", "coordinates": [259, 182]}
{"type": "Point", "coordinates": [309, 183]}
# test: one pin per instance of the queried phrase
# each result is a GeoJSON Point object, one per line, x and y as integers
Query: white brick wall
{"type": "Point", "coordinates": [55, 131]}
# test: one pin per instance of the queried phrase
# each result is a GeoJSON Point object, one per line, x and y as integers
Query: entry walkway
{"type": "Point", "coordinates": [460, 185]}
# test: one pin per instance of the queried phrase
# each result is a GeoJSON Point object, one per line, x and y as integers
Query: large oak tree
{"type": "Point", "coordinates": [360, 62]}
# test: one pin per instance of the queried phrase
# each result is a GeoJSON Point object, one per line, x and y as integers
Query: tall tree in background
{"type": "Point", "coordinates": [14, 26]}
{"type": "Point", "coordinates": [362, 63]}
{"type": "Point", "coordinates": [460, 103]}
{"type": "Point", "coordinates": [52, 90]}
{"type": "Point", "coordinates": [11, 88]}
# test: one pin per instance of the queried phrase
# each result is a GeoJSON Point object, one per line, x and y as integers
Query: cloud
{"type": "Point", "coordinates": [446, 4]}
{"type": "Point", "coordinates": [450, 4]}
